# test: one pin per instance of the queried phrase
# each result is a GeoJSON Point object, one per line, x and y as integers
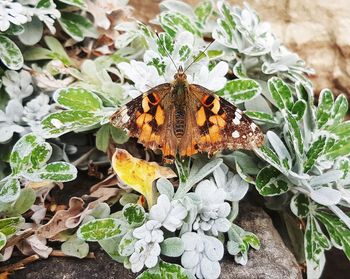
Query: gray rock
{"type": "Point", "coordinates": [272, 261]}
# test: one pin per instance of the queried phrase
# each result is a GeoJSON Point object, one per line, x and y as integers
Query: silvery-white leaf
{"type": "Point", "coordinates": [328, 177]}
{"type": "Point", "coordinates": [279, 147]}
{"type": "Point", "coordinates": [165, 187]}
{"type": "Point", "coordinates": [258, 104]}
{"type": "Point", "coordinates": [177, 6]}
{"type": "Point", "coordinates": [326, 196]}
{"type": "Point", "coordinates": [210, 269]}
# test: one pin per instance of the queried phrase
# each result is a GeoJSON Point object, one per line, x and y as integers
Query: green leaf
{"type": "Point", "coordinates": [261, 116]}
{"type": "Point", "coordinates": [126, 245]}
{"type": "Point", "coordinates": [111, 248]}
{"type": "Point", "coordinates": [58, 51]}
{"type": "Point", "coordinates": [240, 90]}
{"type": "Point", "coordinates": [102, 137]}
{"type": "Point", "coordinates": [315, 244]}
{"type": "Point", "coordinates": [75, 247]}
{"type": "Point", "coordinates": [78, 99]}
{"type": "Point", "coordinates": [10, 54]}
{"type": "Point", "coordinates": [239, 242]}
{"type": "Point", "coordinates": [37, 53]}
{"type": "Point", "coordinates": [172, 22]}
{"type": "Point", "coordinates": [77, 26]}
{"type": "Point", "coordinates": [101, 229]}
{"type": "Point", "coordinates": [9, 226]}
{"type": "Point", "coordinates": [315, 151]}
{"type": "Point", "coordinates": [9, 189]}
{"type": "Point", "coordinates": [119, 136]}
{"type": "Point", "coordinates": [57, 171]}
{"type": "Point", "coordinates": [14, 30]}
{"type": "Point", "coordinates": [134, 214]}
{"type": "Point", "coordinates": [23, 203]}
{"type": "Point", "coordinates": [2, 240]}
{"type": "Point", "coordinates": [280, 93]}
{"type": "Point", "coordinates": [44, 4]}
{"type": "Point", "coordinates": [324, 107]}
{"type": "Point", "coordinates": [166, 270]}
{"type": "Point", "coordinates": [172, 247]}
{"type": "Point", "coordinates": [337, 230]}
{"type": "Point", "coordinates": [59, 123]}
{"type": "Point", "coordinates": [270, 182]}
{"type": "Point", "coordinates": [77, 3]}
{"type": "Point", "coordinates": [203, 11]}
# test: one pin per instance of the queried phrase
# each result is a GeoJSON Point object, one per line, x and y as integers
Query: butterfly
{"type": "Point", "coordinates": [184, 119]}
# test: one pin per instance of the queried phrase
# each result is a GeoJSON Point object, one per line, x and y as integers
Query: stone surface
{"type": "Point", "coordinates": [272, 261]}
{"type": "Point", "coordinates": [317, 30]}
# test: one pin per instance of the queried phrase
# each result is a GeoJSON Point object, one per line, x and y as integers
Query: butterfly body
{"type": "Point", "coordinates": [182, 118]}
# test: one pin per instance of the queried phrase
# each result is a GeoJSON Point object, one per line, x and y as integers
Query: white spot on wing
{"type": "Point", "coordinates": [238, 115]}
{"type": "Point", "coordinates": [235, 134]}
{"type": "Point", "coordinates": [253, 126]}
{"type": "Point", "coordinates": [236, 121]}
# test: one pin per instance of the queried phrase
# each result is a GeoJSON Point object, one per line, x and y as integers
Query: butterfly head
{"type": "Point", "coordinates": [180, 74]}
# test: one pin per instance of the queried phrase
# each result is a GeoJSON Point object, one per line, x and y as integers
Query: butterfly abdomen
{"type": "Point", "coordinates": [180, 124]}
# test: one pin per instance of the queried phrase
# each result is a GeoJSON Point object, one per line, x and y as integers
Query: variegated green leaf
{"type": "Point", "coordinates": [315, 151]}
{"type": "Point", "coordinates": [30, 152]}
{"type": "Point", "coordinates": [295, 132]}
{"type": "Point", "coordinates": [78, 99]}
{"type": "Point", "coordinates": [57, 171]}
{"type": "Point", "coordinates": [77, 26]}
{"type": "Point", "coordinates": [339, 109]}
{"type": "Point", "coordinates": [203, 11]}
{"type": "Point", "coordinates": [172, 22]}
{"type": "Point", "coordinates": [226, 24]}
{"type": "Point", "coordinates": [270, 182]}
{"type": "Point", "coordinates": [165, 44]}
{"type": "Point", "coordinates": [134, 214]}
{"type": "Point", "coordinates": [240, 90]}
{"type": "Point", "coordinates": [300, 205]}
{"type": "Point", "coordinates": [101, 229]}
{"type": "Point", "coordinates": [10, 54]}
{"type": "Point", "coordinates": [3, 240]}
{"type": "Point", "coordinates": [126, 245]}
{"type": "Point", "coordinates": [9, 189]}
{"type": "Point", "coordinates": [261, 116]}
{"type": "Point", "coordinates": [324, 107]}
{"type": "Point", "coordinates": [280, 93]}
{"type": "Point", "coordinates": [315, 244]}
{"type": "Point", "coordinates": [9, 226]}
{"type": "Point", "coordinates": [166, 270]}
{"type": "Point", "coordinates": [62, 122]}
{"type": "Point", "coordinates": [337, 230]}
{"type": "Point", "coordinates": [77, 3]}
{"type": "Point", "coordinates": [298, 109]}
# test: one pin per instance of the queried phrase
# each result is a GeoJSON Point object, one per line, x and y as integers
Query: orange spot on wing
{"type": "Point", "coordinates": [145, 132]}
{"type": "Point", "coordinates": [145, 104]}
{"type": "Point", "coordinates": [200, 117]}
{"type": "Point", "coordinates": [216, 106]}
{"type": "Point", "coordinates": [214, 133]}
{"type": "Point", "coordinates": [143, 118]}
{"type": "Point", "coordinates": [217, 120]}
{"type": "Point", "coordinates": [160, 115]}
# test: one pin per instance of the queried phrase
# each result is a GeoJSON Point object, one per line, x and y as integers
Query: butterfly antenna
{"type": "Point", "coordinates": [167, 52]}
{"type": "Point", "coordinates": [199, 55]}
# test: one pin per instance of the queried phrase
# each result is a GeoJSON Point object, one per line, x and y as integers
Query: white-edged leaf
{"type": "Point", "coordinates": [9, 189]}
{"type": "Point", "coordinates": [240, 90]}
{"type": "Point", "coordinates": [56, 171]}
{"type": "Point", "coordinates": [10, 54]}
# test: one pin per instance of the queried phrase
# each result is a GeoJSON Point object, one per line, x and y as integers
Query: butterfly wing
{"type": "Point", "coordinates": [149, 119]}
{"type": "Point", "coordinates": [215, 124]}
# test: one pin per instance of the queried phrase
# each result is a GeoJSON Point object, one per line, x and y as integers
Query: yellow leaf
{"type": "Point", "coordinates": [139, 174]}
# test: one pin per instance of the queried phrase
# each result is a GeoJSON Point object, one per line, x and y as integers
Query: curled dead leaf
{"type": "Point", "coordinates": [139, 174]}
{"type": "Point", "coordinates": [65, 219]}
